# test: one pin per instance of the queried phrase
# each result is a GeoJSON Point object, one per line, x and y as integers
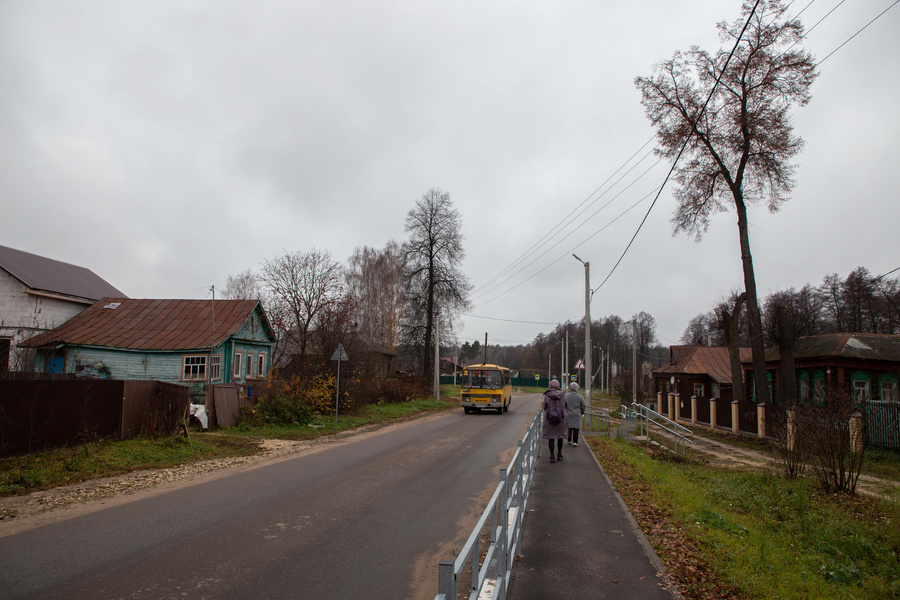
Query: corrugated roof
{"type": "Point", "coordinates": [55, 277]}
{"type": "Point", "coordinates": [701, 360]}
{"type": "Point", "coordinates": [151, 324]}
{"type": "Point", "coordinates": [863, 346]}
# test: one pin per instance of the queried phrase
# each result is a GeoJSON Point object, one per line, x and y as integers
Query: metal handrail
{"type": "Point", "coordinates": [506, 511]}
{"type": "Point", "coordinates": [643, 414]}
{"type": "Point", "coordinates": [595, 420]}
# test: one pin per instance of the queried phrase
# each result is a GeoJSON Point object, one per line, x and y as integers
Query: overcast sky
{"type": "Point", "coordinates": [168, 144]}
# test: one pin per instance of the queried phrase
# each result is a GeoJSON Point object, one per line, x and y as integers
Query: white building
{"type": "Point", "coordinates": [38, 294]}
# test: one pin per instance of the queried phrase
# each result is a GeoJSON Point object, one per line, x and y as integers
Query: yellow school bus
{"type": "Point", "coordinates": [485, 386]}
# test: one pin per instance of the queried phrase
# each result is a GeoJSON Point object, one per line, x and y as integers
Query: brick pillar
{"type": "Point", "coordinates": [678, 409]}
{"type": "Point", "coordinates": [791, 430]}
{"type": "Point", "coordinates": [761, 420]}
{"type": "Point", "coordinates": [857, 443]}
{"type": "Point", "coordinates": [735, 417]}
{"type": "Point", "coordinates": [712, 413]}
{"type": "Point", "coordinates": [659, 398]}
{"type": "Point", "coordinates": [694, 408]}
{"type": "Point", "coordinates": [669, 403]}
{"type": "Point", "coordinates": [676, 399]}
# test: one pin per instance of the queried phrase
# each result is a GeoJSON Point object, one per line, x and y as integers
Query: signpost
{"type": "Point", "coordinates": [340, 356]}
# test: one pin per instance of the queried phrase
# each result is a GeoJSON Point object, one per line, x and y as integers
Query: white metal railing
{"type": "Point", "coordinates": [595, 420]}
{"type": "Point", "coordinates": [638, 415]}
{"type": "Point", "coordinates": [505, 511]}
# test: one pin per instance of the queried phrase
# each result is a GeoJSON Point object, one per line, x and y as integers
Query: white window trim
{"type": "Point", "coordinates": [215, 364]}
{"type": "Point", "coordinates": [238, 372]}
{"type": "Point", "coordinates": [184, 365]}
{"type": "Point", "coordinates": [261, 366]}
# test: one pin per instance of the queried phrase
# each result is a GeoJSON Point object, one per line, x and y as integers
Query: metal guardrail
{"type": "Point", "coordinates": [505, 511]}
{"type": "Point", "coordinates": [638, 415]}
{"type": "Point", "coordinates": [595, 420]}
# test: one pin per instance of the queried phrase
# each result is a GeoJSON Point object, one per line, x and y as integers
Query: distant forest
{"type": "Point", "coordinates": [860, 303]}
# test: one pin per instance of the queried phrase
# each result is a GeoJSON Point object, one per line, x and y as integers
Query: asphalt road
{"type": "Point", "coordinates": [368, 517]}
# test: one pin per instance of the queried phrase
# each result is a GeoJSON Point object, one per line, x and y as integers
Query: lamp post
{"type": "Point", "coordinates": [587, 329]}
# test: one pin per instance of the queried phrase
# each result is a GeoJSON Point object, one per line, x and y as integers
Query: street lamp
{"type": "Point", "coordinates": [587, 329]}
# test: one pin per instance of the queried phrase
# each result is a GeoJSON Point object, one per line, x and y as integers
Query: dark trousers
{"type": "Point", "coordinates": [558, 447]}
{"type": "Point", "coordinates": [573, 435]}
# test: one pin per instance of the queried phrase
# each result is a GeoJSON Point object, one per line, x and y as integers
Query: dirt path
{"type": "Point", "coordinates": [728, 455]}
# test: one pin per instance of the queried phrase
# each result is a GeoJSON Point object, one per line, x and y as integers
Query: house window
{"type": "Point", "coordinates": [860, 390]}
{"type": "Point", "coordinates": [238, 365]}
{"type": "Point", "coordinates": [804, 390]}
{"type": "Point", "coordinates": [249, 365]}
{"type": "Point", "coordinates": [215, 367]}
{"type": "Point", "coordinates": [261, 366]}
{"type": "Point", "coordinates": [194, 368]}
{"type": "Point", "coordinates": [819, 389]}
{"type": "Point", "coordinates": [698, 390]}
{"type": "Point", "coordinates": [716, 390]}
{"type": "Point", "coordinates": [889, 391]}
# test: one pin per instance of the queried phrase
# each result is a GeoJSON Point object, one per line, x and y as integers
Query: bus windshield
{"type": "Point", "coordinates": [485, 379]}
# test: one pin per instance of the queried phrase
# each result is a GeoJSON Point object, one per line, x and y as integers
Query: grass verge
{"type": "Point", "coordinates": [62, 466]}
{"type": "Point", "coordinates": [730, 534]}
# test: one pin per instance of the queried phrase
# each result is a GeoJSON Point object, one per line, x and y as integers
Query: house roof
{"type": "Point", "coordinates": [700, 360]}
{"type": "Point", "coordinates": [861, 346]}
{"type": "Point", "coordinates": [152, 324]}
{"type": "Point", "coordinates": [55, 277]}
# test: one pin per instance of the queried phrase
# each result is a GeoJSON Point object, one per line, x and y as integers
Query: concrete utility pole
{"type": "Point", "coordinates": [437, 357]}
{"type": "Point", "coordinates": [587, 330]}
{"type": "Point", "coordinates": [634, 367]}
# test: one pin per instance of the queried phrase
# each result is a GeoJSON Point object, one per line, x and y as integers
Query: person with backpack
{"type": "Point", "coordinates": [555, 425]}
{"type": "Point", "coordinates": [576, 407]}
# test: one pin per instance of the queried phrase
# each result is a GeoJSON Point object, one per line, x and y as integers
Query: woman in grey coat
{"type": "Point", "coordinates": [555, 432]}
{"type": "Point", "coordinates": [575, 409]}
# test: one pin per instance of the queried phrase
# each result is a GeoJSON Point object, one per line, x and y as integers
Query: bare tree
{"type": "Point", "coordinates": [302, 285]}
{"type": "Point", "coordinates": [729, 322]}
{"type": "Point", "coordinates": [432, 258]}
{"type": "Point", "coordinates": [729, 116]}
{"type": "Point", "coordinates": [243, 286]}
{"type": "Point", "coordinates": [375, 282]}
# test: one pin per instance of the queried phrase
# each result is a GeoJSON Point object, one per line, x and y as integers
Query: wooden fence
{"type": "Point", "coordinates": [40, 413]}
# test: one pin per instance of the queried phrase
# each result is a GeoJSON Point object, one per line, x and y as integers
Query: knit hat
{"type": "Point", "coordinates": [574, 386]}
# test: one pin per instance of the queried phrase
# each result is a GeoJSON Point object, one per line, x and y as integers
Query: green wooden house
{"type": "Point", "coordinates": [190, 342]}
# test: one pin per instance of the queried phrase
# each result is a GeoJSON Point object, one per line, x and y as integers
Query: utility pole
{"type": "Point", "coordinates": [437, 357]}
{"type": "Point", "coordinates": [634, 367]}
{"type": "Point", "coordinates": [587, 330]}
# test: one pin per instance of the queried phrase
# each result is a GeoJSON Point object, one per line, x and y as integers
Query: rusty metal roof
{"type": "Point", "coordinates": [700, 360]}
{"type": "Point", "coordinates": [863, 346]}
{"type": "Point", "coordinates": [153, 324]}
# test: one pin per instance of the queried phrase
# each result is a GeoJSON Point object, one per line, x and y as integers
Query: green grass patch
{"type": "Point", "coordinates": [760, 535]}
{"type": "Point", "coordinates": [62, 466]}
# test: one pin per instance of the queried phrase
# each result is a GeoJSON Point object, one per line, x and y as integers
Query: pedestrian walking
{"type": "Point", "coordinates": [556, 422]}
{"type": "Point", "coordinates": [576, 406]}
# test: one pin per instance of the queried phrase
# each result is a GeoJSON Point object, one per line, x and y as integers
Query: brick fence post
{"type": "Point", "coordinates": [712, 413]}
{"type": "Point", "coordinates": [694, 409]}
{"type": "Point", "coordinates": [735, 417]}
{"type": "Point", "coordinates": [761, 420]}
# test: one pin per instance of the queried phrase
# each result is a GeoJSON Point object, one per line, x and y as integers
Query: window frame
{"type": "Point", "coordinates": [237, 365]}
{"type": "Point", "coordinates": [248, 374]}
{"type": "Point", "coordinates": [202, 363]}
{"type": "Point", "coordinates": [215, 367]}
{"type": "Point", "coordinates": [261, 366]}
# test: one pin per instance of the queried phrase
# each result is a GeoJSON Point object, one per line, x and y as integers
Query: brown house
{"type": "Point", "coordinates": [867, 364]}
{"type": "Point", "coordinates": [704, 372]}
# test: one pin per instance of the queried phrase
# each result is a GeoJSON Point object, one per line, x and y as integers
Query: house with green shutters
{"type": "Point", "coordinates": [190, 342]}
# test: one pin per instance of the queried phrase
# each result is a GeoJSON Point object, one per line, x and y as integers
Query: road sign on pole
{"type": "Point", "coordinates": [579, 364]}
{"type": "Point", "coordinates": [340, 356]}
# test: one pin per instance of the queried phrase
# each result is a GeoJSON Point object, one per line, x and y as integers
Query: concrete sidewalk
{"type": "Point", "coordinates": [579, 539]}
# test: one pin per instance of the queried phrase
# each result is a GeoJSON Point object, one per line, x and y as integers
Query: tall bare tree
{"type": "Point", "coordinates": [432, 256]}
{"type": "Point", "coordinates": [375, 282]}
{"type": "Point", "coordinates": [243, 286]}
{"type": "Point", "coordinates": [729, 116]}
{"type": "Point", "coordinates": [301, 285]}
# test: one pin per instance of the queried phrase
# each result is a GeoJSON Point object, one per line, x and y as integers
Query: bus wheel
{"type": "Point", "coordinates": [506, 408]}
{"type": "Point", "coordinates": [467, 409]}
